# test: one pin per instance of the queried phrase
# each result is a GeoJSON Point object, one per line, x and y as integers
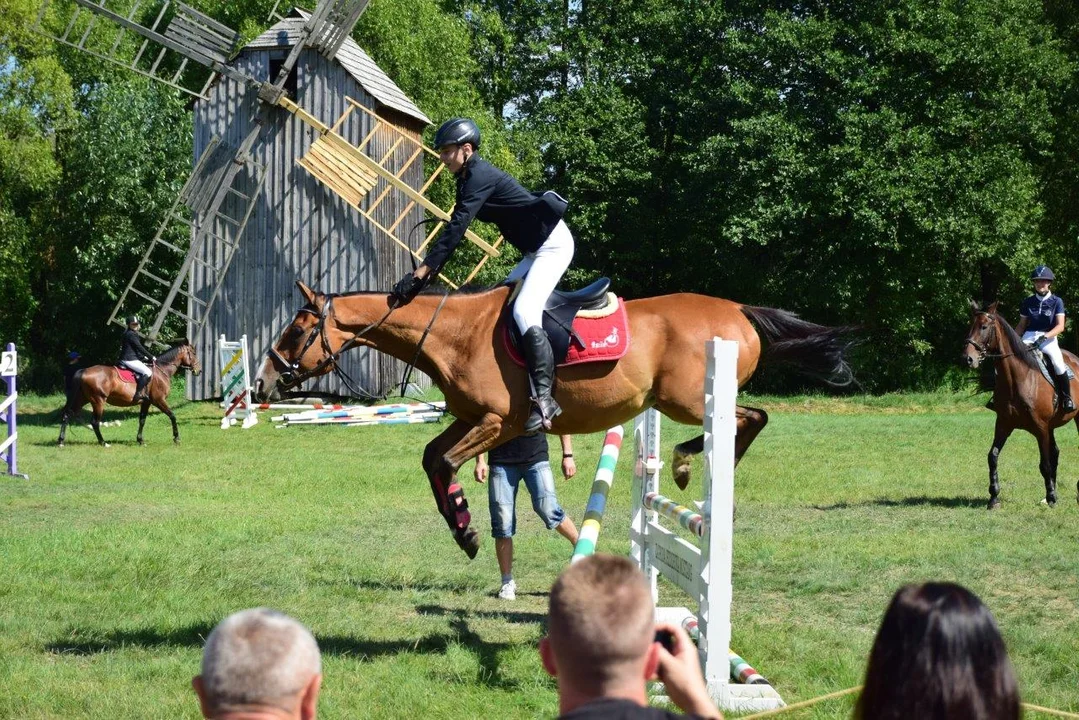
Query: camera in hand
{"type": "Point", "coordinates": [666, 639]}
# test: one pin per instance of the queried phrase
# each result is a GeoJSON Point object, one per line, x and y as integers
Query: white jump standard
{"type": "Point", "coordinates": [704, 573]}
{"type": "Point", "coordinates": [235, 383]}
{"type": "Point", "coordinates": [9, 366]}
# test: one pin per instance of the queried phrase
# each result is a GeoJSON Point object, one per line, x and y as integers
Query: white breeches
{"type": "Point", "coordinates": [138, 366]}
{"type": "Point", "coordinates": [1050, 347]}
{"type": "Point", "coordinates": [541, 271]}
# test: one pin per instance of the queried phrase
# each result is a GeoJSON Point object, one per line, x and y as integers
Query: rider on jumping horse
{"type": "Point", "coordinates": [531, 222]}
{"type": "Point", "coordinates": [134, 356]}
{"type": "Point", "coordinates": [1041, 322]}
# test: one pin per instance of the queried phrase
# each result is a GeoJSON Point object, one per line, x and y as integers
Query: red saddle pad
{"type": "Point", "coordinates": [605, 339]}
{"type": "Point", "coordinates": [126, 375]}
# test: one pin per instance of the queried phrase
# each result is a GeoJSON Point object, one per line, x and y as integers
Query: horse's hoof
{"type": "Point", "coordinates": [105, 445]}
{"type": "Point", "coordinates": [469, 541]}
{"type": "Point", "coordinates": [1049, 502]}
{"type": "Point", "coordinates": [681, 465]}
{"type": "Point", "coordinates": [176, 441]}
{"type": "Point", "coordinates": [993, 504]}
{"type": "Point", "coordinates": [59, 444]}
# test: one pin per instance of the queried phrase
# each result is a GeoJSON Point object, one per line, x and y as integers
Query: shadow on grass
{"type": "Point", "coordinates": [511, 616]}
{"type": "Point", "coordinates": [917, 501]}
{"type": "Point", "coordinates": [83, 643]}
{"type": "Point", "coordinates": [397, 586]}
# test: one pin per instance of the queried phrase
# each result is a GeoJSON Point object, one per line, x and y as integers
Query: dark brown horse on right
{"type": "Point", "coordinates": [1022, 397]}
{"type": "Point", "coordinates": [101, 384]}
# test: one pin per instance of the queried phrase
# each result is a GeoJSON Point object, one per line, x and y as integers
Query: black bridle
{"type": "Point", "coordinates": [984, 350]}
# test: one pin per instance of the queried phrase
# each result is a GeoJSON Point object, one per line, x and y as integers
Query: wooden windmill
{"type": "Point", "coordinates": [183, 48]}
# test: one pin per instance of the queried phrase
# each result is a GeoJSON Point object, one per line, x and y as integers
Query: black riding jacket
{"type": "Point", "coordinates": [483, 191]}
{"type": "Point", "coordinates": [133, 349]}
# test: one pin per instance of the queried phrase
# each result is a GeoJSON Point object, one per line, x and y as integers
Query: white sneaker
{"type": "Point", "coordinates": [508, 591]}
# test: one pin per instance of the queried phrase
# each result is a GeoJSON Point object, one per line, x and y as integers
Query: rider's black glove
{"type": "Point", "coordinates": [406, 289]}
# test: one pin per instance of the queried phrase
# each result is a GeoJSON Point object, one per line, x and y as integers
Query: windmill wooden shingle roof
{"type": "Point", "coordinates": [353, 59]}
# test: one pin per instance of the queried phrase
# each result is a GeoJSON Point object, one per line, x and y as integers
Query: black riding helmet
{"type": "Point", "coordinates": [456, 131]}
{"type": "Point", "coordinates": [133, 320]}
{"type": "Point", "coordinates": [1042, 272]}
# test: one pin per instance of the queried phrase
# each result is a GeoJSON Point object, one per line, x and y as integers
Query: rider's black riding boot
{"type": "Point", "coordinates": [1064, 391]}
{"type": "Point", "coordinates": [141, 381]}
{"type": "Point", "coordinates": [536, 349]}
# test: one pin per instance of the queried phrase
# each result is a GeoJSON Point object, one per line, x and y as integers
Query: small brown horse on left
{"type": "Point", "coordinates": [101, 384]}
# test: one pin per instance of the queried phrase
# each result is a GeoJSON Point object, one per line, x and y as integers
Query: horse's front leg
{"type": "Point", "coordinates": [1000, 436]}
{"type": "Point", "coordinates": [443, 456]}
{"type": "Point", "coordinates": [163, 407]}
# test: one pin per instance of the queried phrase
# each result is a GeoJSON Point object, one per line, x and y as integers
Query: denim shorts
{"type": "Point", "coordinates": [502, 496]}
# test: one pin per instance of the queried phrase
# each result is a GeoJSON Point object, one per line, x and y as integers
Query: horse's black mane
{"type": "Point", "coordinates": [170, 354]}
{"type": "Point", "coordinates": [1016, 345]}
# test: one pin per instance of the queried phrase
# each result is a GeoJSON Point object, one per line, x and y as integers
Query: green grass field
{"type": "Point", "coordinates": [116, 562]}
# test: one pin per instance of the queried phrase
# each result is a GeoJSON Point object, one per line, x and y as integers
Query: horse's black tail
{"type": "Point", "coordinates": [815, 350]}
{"type": "Point", "coordinates": [74, 386]}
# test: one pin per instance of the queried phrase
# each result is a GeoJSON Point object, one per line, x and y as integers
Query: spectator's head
{"type": "Point", "coordinates": [601, 631]}
{"type": "Point", "coordinates": [259, 661]}
{"type": "Point", "coordinates": [938, 655]}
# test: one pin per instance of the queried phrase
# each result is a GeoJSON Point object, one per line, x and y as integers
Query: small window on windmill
{"type": "Point", "coordinates": [277, 60]}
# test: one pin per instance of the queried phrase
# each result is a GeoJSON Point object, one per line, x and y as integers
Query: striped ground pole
{"type": "Point", "coordinates": [597, 502]}
{"type": "Point", "coordinates": [741, 671]}
{"type": "Point", "coordinates": [689, 519]}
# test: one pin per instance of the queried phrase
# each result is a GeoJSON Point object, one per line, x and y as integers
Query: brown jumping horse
{"type": "Point", "coordinates": [1022, 397]}
{"type": "Point", "coordinates": [486, 391]}
{"type": "Point", "coordinates": [100, 384]}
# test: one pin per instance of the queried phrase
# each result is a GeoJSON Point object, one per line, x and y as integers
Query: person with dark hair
{"type": "Point", "coordinates": [531, 222]}
{"type": "Point", "coordinates": [938, 656]}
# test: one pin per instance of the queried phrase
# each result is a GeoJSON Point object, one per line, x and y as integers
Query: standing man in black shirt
{"type": "Point", "coordinates": [524, 458]}
{"type": "Point", "coordinates": [531, 222]}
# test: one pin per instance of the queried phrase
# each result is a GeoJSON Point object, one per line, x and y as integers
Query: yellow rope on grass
{"type": "Point", "coordinates": [848, 691]}
{"type": "Point", "coordinates": [803, 704]}
{"type": "Point", "coordinates": [1048, 711]}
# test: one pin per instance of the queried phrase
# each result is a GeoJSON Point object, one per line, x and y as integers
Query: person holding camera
{"type": "Point", "coordinates": [602, 647]}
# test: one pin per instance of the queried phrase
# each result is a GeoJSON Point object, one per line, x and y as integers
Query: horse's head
{"type": "Point", "coordinates": [189, 358]}
{"type": "Point", "coordinates": [302, 351]}
{"type": "Point", "coordinates": [982, 336]}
